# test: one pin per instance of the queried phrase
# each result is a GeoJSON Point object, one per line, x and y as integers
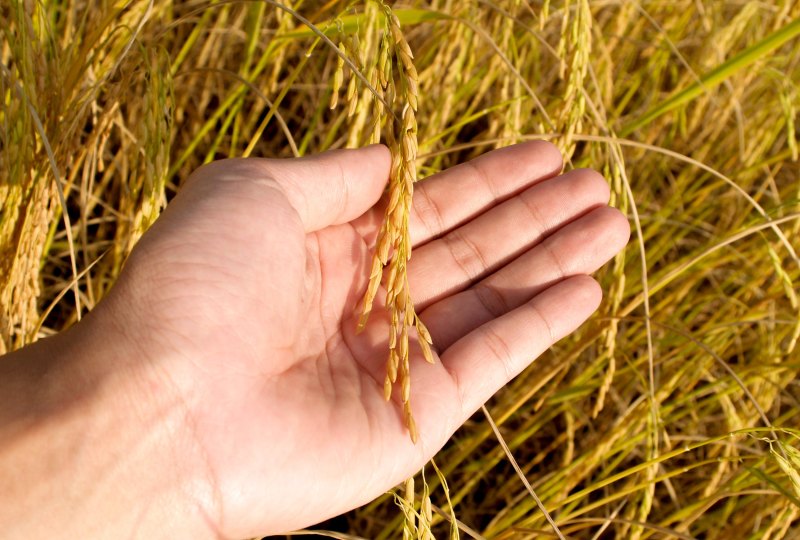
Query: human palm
{"type": "Point", "coordinates": [245, 294]}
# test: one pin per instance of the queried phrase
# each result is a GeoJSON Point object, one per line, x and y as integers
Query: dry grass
{"type": "Point", "coordinates": [674, 413]}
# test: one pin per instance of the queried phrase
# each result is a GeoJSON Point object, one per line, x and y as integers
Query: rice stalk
{"type": "Point", "coordinates": [393, 238]}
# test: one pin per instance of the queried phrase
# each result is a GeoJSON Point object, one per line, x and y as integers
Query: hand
{"type": "Point", "coordinates": [239, 307]}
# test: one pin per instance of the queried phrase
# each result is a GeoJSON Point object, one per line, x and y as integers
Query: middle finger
{"type": "Point", "coordinates": [466, 254]}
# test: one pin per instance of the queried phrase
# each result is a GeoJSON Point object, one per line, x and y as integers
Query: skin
{"type": "Point", "coordinates": [221, 390]}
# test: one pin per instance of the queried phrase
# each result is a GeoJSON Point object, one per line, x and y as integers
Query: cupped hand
{"type": "Point", "coordinates": [242, 302]}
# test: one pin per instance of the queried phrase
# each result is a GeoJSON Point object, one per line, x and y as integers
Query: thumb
{"type": "Point", "coordinates": [334, 187]}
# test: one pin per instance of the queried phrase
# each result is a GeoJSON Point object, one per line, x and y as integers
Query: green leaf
{"type": "Point", "coordinates": [350, 23]}
{"type": "Point", "coordinates": [718, 75]}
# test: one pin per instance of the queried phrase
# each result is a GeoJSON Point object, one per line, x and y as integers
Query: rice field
{"type": "Point", "coordinates": [673, 413]}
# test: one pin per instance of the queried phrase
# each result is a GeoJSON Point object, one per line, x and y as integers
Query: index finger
{"type": "Point", "coordinates": [460, 193]}
{"type": "Point", "coordinates": [456, 195]}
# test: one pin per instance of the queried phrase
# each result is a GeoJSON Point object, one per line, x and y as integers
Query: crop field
{"type": "Point", "coordinates": [674, 412]}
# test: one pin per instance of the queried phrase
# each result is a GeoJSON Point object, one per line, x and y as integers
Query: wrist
{"type": "Point", "coordinates": [95, 443]}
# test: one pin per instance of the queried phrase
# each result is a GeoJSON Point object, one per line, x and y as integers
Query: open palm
{"type": "Point", "coordinates": [244, 295]}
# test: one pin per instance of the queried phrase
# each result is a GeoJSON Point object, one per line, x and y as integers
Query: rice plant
{"type": "Point", "coordinates": [673, 413]}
